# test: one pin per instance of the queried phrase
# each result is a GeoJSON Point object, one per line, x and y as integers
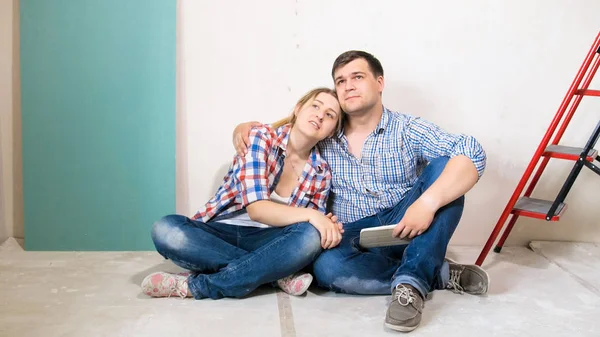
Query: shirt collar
{"type": "Point", "coordinates": [383, 123]}
{"type": "Point", "coordinates": [283, 135]}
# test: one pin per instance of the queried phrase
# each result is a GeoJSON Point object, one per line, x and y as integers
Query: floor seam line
{"type": "Point", "coordinates": [581, 281]}
{"type": "Point", "coordinates": [286, 316]}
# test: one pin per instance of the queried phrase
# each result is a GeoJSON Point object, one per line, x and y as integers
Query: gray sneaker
{"type": "Point", "coordinates": [404, 312]}
{"type": "Point", "coordinates": [470, 279]}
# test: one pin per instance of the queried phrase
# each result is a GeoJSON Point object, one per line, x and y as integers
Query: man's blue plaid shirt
{"type": "Point", "coordinates": [393, 156]}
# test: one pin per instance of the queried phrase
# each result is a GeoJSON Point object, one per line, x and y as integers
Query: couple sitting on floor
{"type": "Point", "coordinates": [269, 221]}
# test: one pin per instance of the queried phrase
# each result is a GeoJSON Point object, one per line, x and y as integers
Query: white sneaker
{"type": "Point", "coordinates": [161, 284]}
{"type": "Point", "coordinates": [296, 284]}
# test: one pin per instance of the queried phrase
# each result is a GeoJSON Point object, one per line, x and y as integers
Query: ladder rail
{"type": "Point", "coordinates": [538, 153]}
{"type": "Point", "coordinates": [567, 119]}
{"type": "Point", "coordinates": [573, 107]}
{"type": "Point", "coordinates": [561, 131]}
{"type": "Point", "coordinates": [564, 191]}
{"type": "Point", "coordinates": [592, 167]}
{"type": "Point", "coordinates": [586, 83]}
{"type": "Point", "coordinates": [504, 236]}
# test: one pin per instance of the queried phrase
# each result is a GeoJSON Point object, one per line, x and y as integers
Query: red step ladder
{"type": "Point", "coordinates": [552, 210]}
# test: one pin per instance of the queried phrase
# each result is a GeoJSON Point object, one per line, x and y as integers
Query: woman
{"type": "Point", "coordinates": [267, 220]}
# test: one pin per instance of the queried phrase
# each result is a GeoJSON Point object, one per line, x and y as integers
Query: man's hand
{"type": "Point", "coordinates": [416, 220]}
{"type": "Point", "coordinates": [240, 137]}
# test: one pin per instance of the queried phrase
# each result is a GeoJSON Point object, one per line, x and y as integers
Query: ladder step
{"type": "Point", "coordinates": [537, 208]}
{"type": "Point", "coordinates": [587, 92]}
{"type": "Point", "coordinates": [568, 152]}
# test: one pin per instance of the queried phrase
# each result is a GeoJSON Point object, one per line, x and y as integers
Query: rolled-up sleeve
{"type": "Point", "coordinates": [250, 172]}
{"type": "Point", "coordinates": [429, 141]}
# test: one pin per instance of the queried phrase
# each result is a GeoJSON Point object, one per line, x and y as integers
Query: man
{"type": "Point", "coordinates": [392, 168]}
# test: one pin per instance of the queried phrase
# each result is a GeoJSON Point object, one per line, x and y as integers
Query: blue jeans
{"type": "Point", "coordinates": [351, 269]}
{"type": "Point", "coordinates": [232, 261]}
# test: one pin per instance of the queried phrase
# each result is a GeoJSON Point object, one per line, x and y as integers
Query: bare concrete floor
{"type": "Point", "coordinates": [550, 291]}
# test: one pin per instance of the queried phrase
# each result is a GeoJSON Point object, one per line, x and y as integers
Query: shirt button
{"type": "Point", "coordinates": [373, 193]}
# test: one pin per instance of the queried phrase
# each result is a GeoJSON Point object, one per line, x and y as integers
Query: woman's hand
{"type": "Point", "coordinates": [334, 219]}
{"type": "Point", "coordinates": [240, 137]}
{"type": "Point", "coordinates": [330, 231]}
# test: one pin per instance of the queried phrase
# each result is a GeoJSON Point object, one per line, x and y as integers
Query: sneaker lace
{"type": "Point", "coordinates": [404, 295]}
{"type": "Point", "coordinates": [454, 282]}
{"type": "Point", "coordinates": [178, 287]}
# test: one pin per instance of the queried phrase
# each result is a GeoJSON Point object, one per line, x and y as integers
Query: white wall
{"type": "Point", "coordinates": [455, 63]}
{"type": "Point", "coordinates": [496, 70]}
{"type": "Point", "coordinates": [10, 204]}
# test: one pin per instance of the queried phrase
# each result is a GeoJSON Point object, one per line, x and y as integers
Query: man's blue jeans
{"type": "Point", "coordinates": [351, 269]}
{"type": "Point", "coordinates": [232, 261]}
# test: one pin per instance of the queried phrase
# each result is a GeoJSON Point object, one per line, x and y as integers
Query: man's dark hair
{"type": "Point", "coordinates": [352, 55]}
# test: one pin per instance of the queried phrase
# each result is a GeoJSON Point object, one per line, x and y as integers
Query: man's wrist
{"type": "Point", "coordinates": [433, 203]}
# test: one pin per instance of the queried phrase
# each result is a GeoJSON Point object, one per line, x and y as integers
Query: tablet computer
{"type": "Point", "coordinates": [380, 237]}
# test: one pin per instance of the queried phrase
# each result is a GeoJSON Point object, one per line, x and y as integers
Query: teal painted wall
{"type": "Point", "coordinates": [98, 116]}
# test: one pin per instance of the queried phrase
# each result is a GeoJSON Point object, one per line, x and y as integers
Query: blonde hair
{"type": "Point", "coordinates": [308, 97]}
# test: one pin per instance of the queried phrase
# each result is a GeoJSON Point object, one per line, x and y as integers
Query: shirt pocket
{"type": "Point", "coordinates": [303, 199]}
{"type": "Point", "coordinates": [307, 190]}
{"type": "Point", "coordinates": [393, 168]}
